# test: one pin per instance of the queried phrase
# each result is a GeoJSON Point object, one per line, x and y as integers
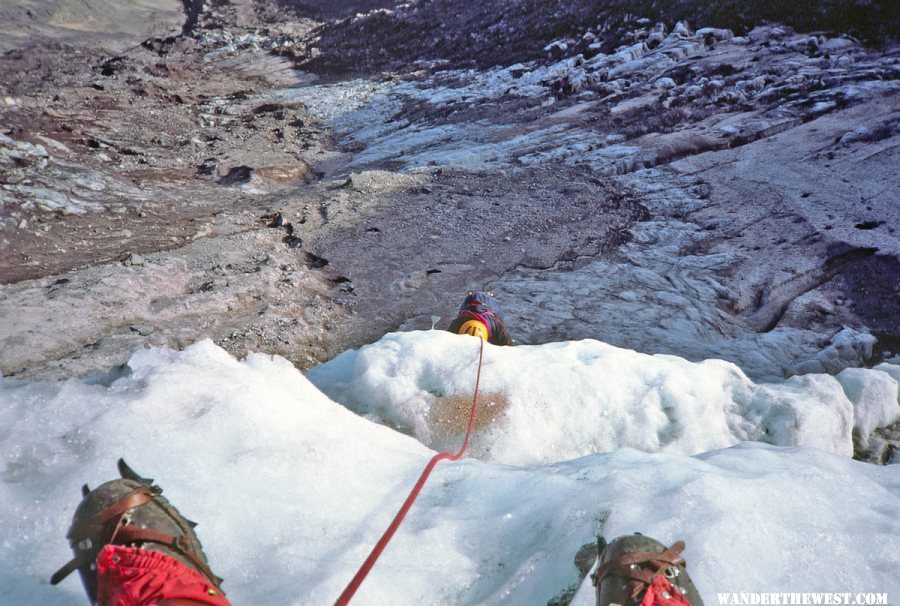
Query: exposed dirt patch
{"type": "Point", "coordinates": [109, 154]}
{"type": "Point", "coordinates": [449, 416]}
{"type": "Point", "coordinates": [421, 256]}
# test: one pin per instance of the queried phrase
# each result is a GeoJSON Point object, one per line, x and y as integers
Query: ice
{"type": "Point", "coordinates": [571, 399]}
{"type": "Point", "coordinates": [292, 490]}
{"type": "Point", "coordinates": [874, 396]}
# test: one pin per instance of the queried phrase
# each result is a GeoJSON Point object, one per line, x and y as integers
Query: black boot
{"type": "Point", "coordinates": [130, 511]}
{"type": "Point", "coordinates": [629, 564]}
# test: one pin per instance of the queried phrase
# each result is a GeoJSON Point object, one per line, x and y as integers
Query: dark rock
{"type": "Point", "coordinates": [237, 175]}
{"type": "Point", "coordinates": [292, 241]}
{"type": "Point", "coordinates": [314, 261]}
{"type": "Point", "coordinates": [277, 221]}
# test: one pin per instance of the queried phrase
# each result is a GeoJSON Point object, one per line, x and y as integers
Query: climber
{"type": "Point", "coordinates": [480, 315]}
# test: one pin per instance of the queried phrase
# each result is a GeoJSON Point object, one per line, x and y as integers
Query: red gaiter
{"type": "Point", "coordinates": [127, 576]}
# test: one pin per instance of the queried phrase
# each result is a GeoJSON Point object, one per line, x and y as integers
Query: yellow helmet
{"type": "Point", "coordinates": [474, 328]}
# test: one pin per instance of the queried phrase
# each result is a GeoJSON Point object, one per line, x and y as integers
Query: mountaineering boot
{"type": "Point", "coordinates": [636, 570]}
{"type": "Point", "coordinates": [124, 529]}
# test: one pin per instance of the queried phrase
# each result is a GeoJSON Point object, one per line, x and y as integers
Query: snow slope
{"type": "Point", "coordinates": [292, 489]}
{"type": "Point", "coordinates": [574, 398]}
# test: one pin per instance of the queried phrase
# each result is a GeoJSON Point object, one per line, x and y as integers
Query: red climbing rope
{"type": "Point", "coordinates": [398, 519]}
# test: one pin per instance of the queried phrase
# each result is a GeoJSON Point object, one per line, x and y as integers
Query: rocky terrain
{"type": "Point", "coordinates": [300, 178]}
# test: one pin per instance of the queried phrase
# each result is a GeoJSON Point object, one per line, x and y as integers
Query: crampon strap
{"type": "Point", "coordinates": [647, 569]}
{"type": "Point", "coordinates": [111, 527]}
{"type": "Point", "coordinates": [83, 530]}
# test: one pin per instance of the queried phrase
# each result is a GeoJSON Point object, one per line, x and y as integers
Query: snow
{"type": "Point", "coordinates": [571, 399]}
{"type": "Point", "coordinates": [49, 188]}
{"type": "Point", "coordinates": [292, 489]}
{"type": "Point", "coordinates": [873, 394]}
{"type": "Point", "coordinates": [332, 101]}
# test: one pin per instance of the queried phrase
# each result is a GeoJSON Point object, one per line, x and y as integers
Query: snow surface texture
{"type": "Point", "coordinates": [576, 398]}
{"type": "Point", "coordinates": [292, 490]}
